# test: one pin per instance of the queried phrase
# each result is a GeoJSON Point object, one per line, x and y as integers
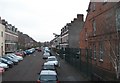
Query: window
{"type": "Point", "coordinates": [118, 19]}
{"type": "Point", "coordinates": [92, 8]}
{"type": "Point", "coordinates": [105, 1]}
{"type": "Point", "coordinates": [101, 51]}
{"type": "Point", "coordinates": [94, 27]}
{"type": "Point", "coordinates": [2, 34]}
{"type": "Point", "coordinates": [118, 49]}
{"type": "Point", "coordinates": [94, 51]}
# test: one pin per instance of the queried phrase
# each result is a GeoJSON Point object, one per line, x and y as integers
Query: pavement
{"type": "Point", "coordinates": [67, 72]}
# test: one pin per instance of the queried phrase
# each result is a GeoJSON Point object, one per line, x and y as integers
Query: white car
{"type": "Point", "coordinates": [53, 60]}
{"type": "Point", "coordinates": [20, 58]}
{"type": "Point", "coordinates": [49, 66]}
{"type": "Point", "coordinates": [3, 65]}
{"type": "Point", "coordinates": [46, 55]}
{"type": "Point", "coordinates": [46, 49]}
{"type": "Point", "coordinates": [48, 76]}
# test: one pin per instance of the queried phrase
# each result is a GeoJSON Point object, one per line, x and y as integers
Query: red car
{"type": "Point", "coordinates": [39, 50]}
{"type": "Point", "coordinates": [2, 70]}
{"type": "Point", "coordinates": [20, 54]}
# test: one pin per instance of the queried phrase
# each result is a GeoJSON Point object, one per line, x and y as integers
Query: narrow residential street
{"type": "Point", "coordinates": [27, 70]}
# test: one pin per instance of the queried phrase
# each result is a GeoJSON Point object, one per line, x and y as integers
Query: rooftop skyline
{"type": "Point", "coordinates": [41, 18]}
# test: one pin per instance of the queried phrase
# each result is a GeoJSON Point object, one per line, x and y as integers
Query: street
{"type": "Point", "coordinates": [27, 70]}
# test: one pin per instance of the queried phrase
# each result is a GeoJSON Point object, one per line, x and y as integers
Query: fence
{"type": "Point", "coordinates": [73, 57]}
{"type": "Point", "coordinates": [81, 60]}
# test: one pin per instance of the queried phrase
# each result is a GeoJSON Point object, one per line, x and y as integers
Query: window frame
{"type": "Point", "coordinates": [2, 34]}
{"type": "Point", "coordinates": [118, 19]}
{"type": "Point", "coordinates": [105, 1]}
{"type": "Point", "coordinates": [94, 51]}
{"type": "Point", "coordinates": [101, 51]}
{"type": "Point", "coordinates": [94, 27]}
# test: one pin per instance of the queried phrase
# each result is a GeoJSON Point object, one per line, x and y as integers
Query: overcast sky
{"type": "Point", "coordinates": [41, 18]}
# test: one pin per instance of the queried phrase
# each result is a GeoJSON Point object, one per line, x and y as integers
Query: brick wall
{"type": "Point", "coordinates": [103, 36]}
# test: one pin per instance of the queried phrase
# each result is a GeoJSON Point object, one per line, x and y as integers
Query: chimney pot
{"type": "Point", "coordinates": [80, 17]}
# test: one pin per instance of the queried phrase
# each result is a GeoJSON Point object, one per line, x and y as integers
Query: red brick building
{"type": "Point", "coordinates": [101, 34]}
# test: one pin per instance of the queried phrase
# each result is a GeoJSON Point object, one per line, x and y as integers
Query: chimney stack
{"type": "Point", "coordinates": [80, 17]}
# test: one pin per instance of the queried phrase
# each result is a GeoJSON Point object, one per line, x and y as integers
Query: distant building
{"type": "Point", "coordinates": [101, 34]}
{"type": "Point", "coordinates": [21, 40]}
{"type": "Point", "coordinates": [55, 43]}
{"type": "Point", "coordinates": [28, 41]}
{"type": "Point", "coordinates": [70, 33]}
{"type": "Point", "coordinates": [2, 38]}
{"type": "Point", "coordinates": [11, 37]}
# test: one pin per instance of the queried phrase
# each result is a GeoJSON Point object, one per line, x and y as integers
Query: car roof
{"type": "Point", "coordinates": [51, 62]}
{"type": "Point", "coordinates": [48, 72]}
{"type": "Point", "coordinates": [48, 63]}
{"type": "Point", "coordinates": [51, 57]}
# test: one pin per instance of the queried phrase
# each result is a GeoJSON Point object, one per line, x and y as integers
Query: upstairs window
{"type": "Point", "coordinates": [118, 49]}
{"type": "Point", "coordinates": [118, 19]}
{"type": "Point", "coordinates": [94, 27]}
{"type": "Point", "coordinates": [93, 6]}
{"type": "Point", "coordinates": [105, 1]}
{"type": "Point", "coordinates": [2, 34]}
{"type": "Point", "coordinates": [94, 51]}
{"type": "Point", "coordinates": [101, 51]}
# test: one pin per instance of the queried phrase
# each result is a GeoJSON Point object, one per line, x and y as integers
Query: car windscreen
{"type": "Point", "coordinates": [48, 67]}
{"type": "Point", "coordinates": [51, 59]}
{"type": "Point", "coordinates": [4, 59]}
{"type": "Point", "coordinates": [48, 77]}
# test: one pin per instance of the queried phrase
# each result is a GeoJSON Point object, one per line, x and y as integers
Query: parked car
{"type": "Point", "coordinates": [3, 65]}
{"type": "Point", "coordinates": [48, 66]}
{"type": "Point", "coordinates": [19, 58]}
{"type": "Point", "coordinates": [53, 59]}
{"type": "Point", "coordinates": [27, 52]}
{"type": "Point", "coordinates": [30, 51]}
{"type": "Point", "coordinates": [48, 76]}
{"type": "Point", "coordinates": [46, 49]}
{"type": "Point", "coordinates": [46, 55]}
{"type": "Point", "coordinates": [15, 61]}
{"type": "Point", "coordinates": [39, 50]}
{"type": "Point", "coordinates": [2, 70]}
{"type": "Point", "coordinates": [10, 63]}
{"type": "Point", "coordinates": [20, 54]}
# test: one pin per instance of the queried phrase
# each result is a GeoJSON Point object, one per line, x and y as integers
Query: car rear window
{"type": "Point", "coordinates": [48, 77]}
{"type": "Point", "coordinates": [48, 67]}
{"type": "Point", "coordinates": [51, 59]}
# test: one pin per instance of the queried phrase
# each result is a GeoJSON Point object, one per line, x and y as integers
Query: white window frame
{"type": "Point", "coordinates": [94, 51]}
{"type": "Point", "coordinates": [105, 1]}
{"type": "Point", "coordinates": [101, 51]}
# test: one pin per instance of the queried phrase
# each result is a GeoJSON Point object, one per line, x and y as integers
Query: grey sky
{"type": "Point", "coordinates": [41, 18]}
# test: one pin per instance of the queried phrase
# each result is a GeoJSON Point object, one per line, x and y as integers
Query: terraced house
{"type": "Point", "coordinates": [11, 37]}
{"type": "Point", "coordinates": [2, 35]}
{"type": "Point", "coordinates": [70, 33]}
{"type": "Point", "coordinates": [101, 34]}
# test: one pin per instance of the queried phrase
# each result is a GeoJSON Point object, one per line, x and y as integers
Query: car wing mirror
{"type": "Point", "coordinates": [38, 73]}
